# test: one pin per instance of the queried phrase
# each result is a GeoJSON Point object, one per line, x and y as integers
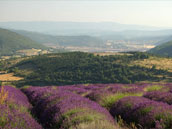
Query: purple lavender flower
{"type": "Point", "coordinates": [15, 112]}
{"type": "Point", "coordinates": [165, 97]}
{"type": "Point", "coordinates": [61, 109]}
{"type": "Point", "coordinates": [143, 111]}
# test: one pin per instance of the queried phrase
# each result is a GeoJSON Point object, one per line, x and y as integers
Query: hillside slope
{"type": "Point", "coordinates": [163, 49]}
{"type": "Point", "coordinates": [10, 42]}
{"type": "Point", "coordinates": [81, 40]}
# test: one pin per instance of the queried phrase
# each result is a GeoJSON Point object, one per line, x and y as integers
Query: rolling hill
{"type": "Point", "coordinates": [10, 42]}
{"type": "Point", "coordinates": [163, 49]}
{"type": "Point", "coordinates": [82, 68]}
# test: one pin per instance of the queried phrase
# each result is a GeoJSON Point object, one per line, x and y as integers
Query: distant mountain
{"type": "Point", "coordinates": [139, 34]}
{"type": "Point", "coordinates": [164, 49]}
{"type": "Point", "coordinates": [10, 42]}
{"type": "Point", "coordinates": [76, 28]}
{"type": "Point", "coordinates": [45, 39]}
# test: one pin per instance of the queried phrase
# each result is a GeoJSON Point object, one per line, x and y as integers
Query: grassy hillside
{"type": "Point", "coordinates": [10, 42]}
{"type": "Point", "coordinates": [163, 49]}
{"type": "Point", "coordinates": [157, 62]}
{"type": "Point", "coordinates": [78, 67]}
{"type": "Point", "coordinates": [62, 40]}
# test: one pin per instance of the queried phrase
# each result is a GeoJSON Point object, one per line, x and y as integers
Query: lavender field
{"type": "Point", "coordinates": [87, 106]}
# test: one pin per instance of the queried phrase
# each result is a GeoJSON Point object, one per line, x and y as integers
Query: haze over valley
{"type": "Point", "coordinates": [91, 36]}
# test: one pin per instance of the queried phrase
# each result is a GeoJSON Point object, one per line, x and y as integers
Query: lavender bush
{"type": "Point", "coordinates": [165, 97]}
{"type": "Point", "coordinates": [67, 107]}
{"type": "Point", "coordinates": [145, 112]}
{"type": "Point", "coordinates": [14, 111]}
{"type": "Point", "coordinates": [107, 97]}
{"type": "Point", "coordinates": [57, 108]}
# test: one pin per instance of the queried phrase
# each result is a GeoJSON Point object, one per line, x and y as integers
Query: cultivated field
{"type": "Point", "coordinates": [89, 106]}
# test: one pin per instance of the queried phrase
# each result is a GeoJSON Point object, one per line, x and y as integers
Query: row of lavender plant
{"type": "Point", "coordinates": [105, 94]}
{"type": "Point", "coordinates": [144, 112]}
{"type": "Point", "coordinates": [59, 108]}
{"type": "Point", "coordinates": [165, 97]}
{"type": "Point", "coordinates": [108, 94]}
{"type": "Point", "coordinates": [14, 110]}
{"type": "Point", "coordinates": [85, 89]}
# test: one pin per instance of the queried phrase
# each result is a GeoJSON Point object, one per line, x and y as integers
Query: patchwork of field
{"type": "Point", "coordinates": [87, 106]}
{"type": "Point", "coordinates": [31, 52]}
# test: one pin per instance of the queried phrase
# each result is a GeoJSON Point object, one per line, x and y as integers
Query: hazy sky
{"type": "Point", "coordinates": [144, 12]}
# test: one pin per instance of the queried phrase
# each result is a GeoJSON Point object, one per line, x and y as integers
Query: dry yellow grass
{"type": "Point", "coordinates": [98, 125]}
{"type": "Point", "coordinates": [52, 56]}
{"type": "Point", "coordinates": [110, 53]}
{"type": "Point", "coordinates": [9, 77]}
{"type": "Point", "coordinates": [3, 95]}
{"type": "Point", "coordinates": [160, 63]}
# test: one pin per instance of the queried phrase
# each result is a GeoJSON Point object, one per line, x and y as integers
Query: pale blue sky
{"type": "Point", "coordinates": [143, 12]}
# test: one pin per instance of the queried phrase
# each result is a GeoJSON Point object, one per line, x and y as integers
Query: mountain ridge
{"type": "Point", "coordinates": [11, 42]}
{"type": "Point", "coordinates": [163, 49]}
{"type": "Point", "coordinates": [80, 40]}
{"type": "Point", "coordinates": [69, 28]}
